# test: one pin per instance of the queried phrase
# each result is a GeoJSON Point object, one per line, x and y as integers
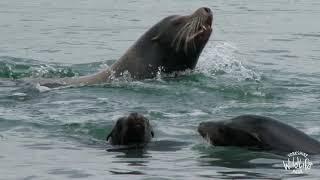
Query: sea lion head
{"type": "Point", "coordinates": [222, 134]}
{"type": "Point", "coordinates": [214, 132]}
{"type": "Point", "coordinates": [134, 129]}
{"type": "Point", "coordinates": [183, 38]}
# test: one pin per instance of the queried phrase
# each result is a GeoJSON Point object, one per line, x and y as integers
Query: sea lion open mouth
{"type": "Point", "coordinates": [204, 25]}
{"type": "Point", "coordinates": [196, 28]}
{"type": "Point", "coordinates": [204, 28]}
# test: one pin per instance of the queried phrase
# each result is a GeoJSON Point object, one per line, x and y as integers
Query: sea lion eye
{"type": "Point", "coordinates": [119, 127]}
{"type": "Point", "coordinates": [221, 130]}
{"type": "Point", "coordinates": [176, 20]}
{"type": "Point", "coordinates": [120, 123]}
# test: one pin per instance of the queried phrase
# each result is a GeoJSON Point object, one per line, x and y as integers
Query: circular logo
{"type": "Point", "coordinates": [298, 162]}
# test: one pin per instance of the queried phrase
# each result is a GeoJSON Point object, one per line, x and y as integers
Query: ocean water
{"type": "Point", "coordinates": [263, 58]}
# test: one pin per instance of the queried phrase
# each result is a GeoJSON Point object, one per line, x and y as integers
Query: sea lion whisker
{"type": "Point", "coordinates": [182, 36]}
{"type": "Point", "coordinates": [179, 40]}
{"type": "Point", "coordinates": [184, 33]}
{"type": "Point", "coordinates": [189, 31]}
{"type": "Point", "coordinates": [195, 35]}
{"type": "Point", "coordinates": [186, 28]}
{"type": "Point", "coordinates": [179, 32]}
{"type": "Point", "coordinates": [176, 37]}
{"type": "Point", "coordinates": [194, 31]}
{"type": "Point", "coordinates": [201, 20]}
{"type": "Point", "coordinates": [195, 25]}
{"type": "Point", "coordinates": [179, 36]}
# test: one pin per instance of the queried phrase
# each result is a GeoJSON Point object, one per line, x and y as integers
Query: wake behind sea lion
{"type": "Point", "coordinates": [173, 44]}
{"type": "Point", "coordinates": [260, 133]}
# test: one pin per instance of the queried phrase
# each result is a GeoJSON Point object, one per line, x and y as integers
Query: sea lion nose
{"type": "Point", "coordinates": [200, 127]}
{"type": "Point", "coordinates": [207, 10]}
{"type": "Point", "coordinates": [138, 126]}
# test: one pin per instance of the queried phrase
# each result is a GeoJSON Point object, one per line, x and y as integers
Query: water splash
{"type": "Point", "coordinates": [160, 75]}
{"type": "Point", "coordinates": [124, 78]}
{"type": "Point", "coordinates": [6, 71]}
{"type": "Point", "coordinates": [42, 88]}
{"type": "Point", "coordinates": [49, 71]}
{"type": "Point", "coordinates": [221, 59]}
{"type": "Point", "coordinates": [15, 68]}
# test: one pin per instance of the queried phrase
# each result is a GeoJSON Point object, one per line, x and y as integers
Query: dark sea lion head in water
{"type": "Point", "coordinates": [173, 44]}
{"type": "Point", "coordinates": [131, 130]}
{"type": "Point", "coordinates": [220, 134]}
{"type": "Point", "coordinates": [258, 133]}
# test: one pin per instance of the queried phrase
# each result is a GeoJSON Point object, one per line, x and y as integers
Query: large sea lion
{"type": "Point", "coordinates": [173, 44]}
{"type": "Point", "coordinates": [259, 133]}
{"type": "Point", "coordinates": [132, 130]}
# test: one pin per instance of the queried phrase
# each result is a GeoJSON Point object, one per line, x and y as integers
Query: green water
{"type": "Point", "coordinates": [263, 58]}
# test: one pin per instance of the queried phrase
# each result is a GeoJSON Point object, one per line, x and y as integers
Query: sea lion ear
{"type": "Point", "coordinates": [156, 38]}
{"type": "Point", "coordinates": [256, 136]}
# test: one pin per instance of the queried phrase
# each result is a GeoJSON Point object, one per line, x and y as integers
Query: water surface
{"type": "Point", "coordinates": [263, 58]}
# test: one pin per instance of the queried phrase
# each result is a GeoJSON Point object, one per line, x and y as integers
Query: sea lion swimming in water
{"type": "Point", "coordinates": [259, 133]}
{"type": "Point", "coordinates": [132, 130]}
{"type": "Point", "coordinates": [174, 44]}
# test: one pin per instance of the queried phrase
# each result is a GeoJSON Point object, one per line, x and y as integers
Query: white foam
{"type": "Point", "coordinates": [125, 77]}
{"type": "Point", "coordinates": [42, 70]}
{"type": "Point", "coordinates": [18, 94]}
{"type": "Point", "coordinates": [197, 112]}
{"type": "Point", "coordinates": [221, 58]}
{"type": "Point", "coordinates": [42, 88]}
{"type": "Point", "coordinates": [104, 66]}
{"type": "Point", "coordinates": [312, 130]}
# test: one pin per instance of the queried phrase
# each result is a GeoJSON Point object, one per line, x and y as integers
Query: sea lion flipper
{"type": "Point", "coordinates": [152, 133]}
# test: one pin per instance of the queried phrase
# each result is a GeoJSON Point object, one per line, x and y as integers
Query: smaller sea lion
{"type": "Point", "coordinates": [132, 130]}
{"type": "Point", "coordinates": [258, 133]}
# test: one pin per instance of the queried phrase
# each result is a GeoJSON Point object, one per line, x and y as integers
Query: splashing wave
{"type": "Point", "coordinates": [221, 59]}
